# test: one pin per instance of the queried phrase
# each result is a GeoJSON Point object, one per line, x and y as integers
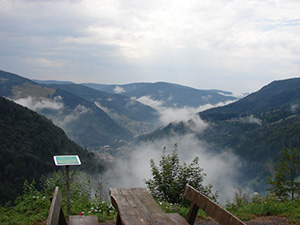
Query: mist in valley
{"type": "Point", "coordinates": [221, 169]}
{"type": "Point", "coordinates": [133, 168]}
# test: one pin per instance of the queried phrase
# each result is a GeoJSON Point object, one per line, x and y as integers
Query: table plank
{"type": "Point", "coordinates": [137, 207]}
{"type": "Point", "coordinates": [83, 220]}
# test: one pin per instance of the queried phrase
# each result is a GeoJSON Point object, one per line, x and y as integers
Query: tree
{"type": "Point", "coordinates": [170, 178]}
{"type": "Point", "coordinates": [285, 184]}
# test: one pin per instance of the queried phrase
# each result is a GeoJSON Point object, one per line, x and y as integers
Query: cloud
{"type": "Point", "coordinates": [64, 120]}
{"type": "Point", "coordinates": [174, 114]}
{"type": "Point", "coordinates": [41, 103]}
{"type": "Point", "coordinates": [60, 115]}
{"type": "Point", "coordinates": [105, 109]}
{"type": "Point", "coordinates": [147, 100]}
{"type": "Point", "coordinates": [45, 62]}
{"type": "Point", "coordinates": [222, 169]}
{"type": "Point", "coordinates": [119, 90]}
{"type": "Point", "coordinates": [216, 44]}
{"type": "Point", "coordinates": [294, 108]}
{"type": "Point", "coordinates": [252, 119]}
{"type": "Point", "coordinates": [132, 170]}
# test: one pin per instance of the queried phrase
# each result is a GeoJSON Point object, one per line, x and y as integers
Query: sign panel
{"type": "Point", "coordinates": [66, 160]}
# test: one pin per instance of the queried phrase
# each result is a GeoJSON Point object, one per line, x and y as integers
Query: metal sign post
{"type": "Point", "coordinates": [67, 160]}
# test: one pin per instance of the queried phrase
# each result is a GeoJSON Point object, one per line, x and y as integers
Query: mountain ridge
{"type": "Point", "coordinates": [172, 95]}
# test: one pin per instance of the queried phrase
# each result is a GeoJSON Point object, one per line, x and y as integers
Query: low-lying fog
{"type": "Point", "coordinates": [222, 169]}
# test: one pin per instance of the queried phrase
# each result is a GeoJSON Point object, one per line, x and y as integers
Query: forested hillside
{"type": "Point", "coordinates": [84, 122]}
{"type": "Point", "coordinates": [127, 112]}
{"type": "Point", "coordinates": [283, 95]}
{"type": "Point", "coordinates": [27, 144]}
{"type": "Point", "coordinates": [256, 128]}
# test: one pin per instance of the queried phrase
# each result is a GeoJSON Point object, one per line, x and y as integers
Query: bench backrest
{"type": "Point", "coordinates": [56, 214]}
{"type": "Point", "coordinates": [199, 200]}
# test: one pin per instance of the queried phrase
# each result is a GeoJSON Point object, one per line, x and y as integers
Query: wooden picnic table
{"type": "Point", "coordinates": [137, 207]}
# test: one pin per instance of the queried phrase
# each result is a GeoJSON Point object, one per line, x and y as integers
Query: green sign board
{"type": "Point", "coordinates": [66, 160]}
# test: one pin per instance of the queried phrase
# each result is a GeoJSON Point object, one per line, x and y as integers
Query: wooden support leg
{"type": "Point", "coordinates": [119, 222]}
{"type": "Point", "coordinates": [192, 214]}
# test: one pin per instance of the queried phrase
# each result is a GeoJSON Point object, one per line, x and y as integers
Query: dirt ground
{"type": "Point", "coordinates": [269, 220]}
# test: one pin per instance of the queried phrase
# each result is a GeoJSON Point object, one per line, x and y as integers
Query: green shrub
{"type": "Point", "coordinates": [30, 208]}
{"type": "Point", "coordinates": [33, 206]}
{"type": "Point", "coordinates": [170, 178]}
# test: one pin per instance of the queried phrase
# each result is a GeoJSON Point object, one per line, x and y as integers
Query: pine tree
{"type": "Point", "coordinates": [285, 184]}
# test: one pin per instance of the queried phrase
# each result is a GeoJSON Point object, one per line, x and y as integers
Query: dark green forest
{"type": "Point", "coordinates": [28, 143]}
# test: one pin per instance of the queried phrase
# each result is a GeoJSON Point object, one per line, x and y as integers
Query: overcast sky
{"type": "Point", "coordinates": [238, 45]}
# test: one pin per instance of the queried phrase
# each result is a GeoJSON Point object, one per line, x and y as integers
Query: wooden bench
{"type": "Point", "coordinates": [136, 206]}
{"type": "Point", "coordinates": [57, 217]}
{"type": "Point", "coordinates": [199, 200]}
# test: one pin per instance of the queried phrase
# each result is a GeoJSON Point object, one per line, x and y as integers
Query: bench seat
{"type": "Point", "coordinates": [57, 217]}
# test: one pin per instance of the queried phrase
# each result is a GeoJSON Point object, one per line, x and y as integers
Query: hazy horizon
{"type": "Point", "coordinates": [231, 45]}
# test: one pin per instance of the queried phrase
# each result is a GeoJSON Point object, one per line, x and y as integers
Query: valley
{"type": "Point", "coordinates": [238, 141]}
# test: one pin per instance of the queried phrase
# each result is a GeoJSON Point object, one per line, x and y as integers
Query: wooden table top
{"type": "Point", "coordinates": [136, 206]}
{"type": "Point", "coordinates": [83, 220]}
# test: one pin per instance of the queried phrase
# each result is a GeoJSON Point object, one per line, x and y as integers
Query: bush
{"type": "Point", "coordinates": [171, 177]}
{"type": "Point", "coordinates": [33, 206]}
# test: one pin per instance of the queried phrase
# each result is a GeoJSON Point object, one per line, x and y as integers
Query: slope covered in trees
{"type": "Point", "coordinates": [256, 128]}
{"type": "Point", "coordinates": [28, 141]}
{"type": "Point", "coordinates": [84, 122]}
{"type": "Point", "coordinates": [279, 95]}
{"type": "Point", "coordinates": [126, 111]}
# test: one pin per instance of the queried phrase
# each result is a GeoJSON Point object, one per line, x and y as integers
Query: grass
{"type": "Point", "coordinates": [267, 206]}
{"type": "Point", "coordinates": [247, 210]}
{"type": "Point", "coordinates": [181, 210]}
{"type": "Point", "coordinates": [33, 206]}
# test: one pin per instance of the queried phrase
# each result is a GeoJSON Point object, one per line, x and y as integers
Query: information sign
{"type": "Point", "coordinates": [66, 160]}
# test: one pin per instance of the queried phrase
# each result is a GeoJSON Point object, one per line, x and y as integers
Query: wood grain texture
{"type": "Point", "coordinates": [56, 215]}
{"type": "Point", "coordinates": [137, 207]}
{"type": "Point", "coordinates": [83, 220]}
{"type": "Point", "coordinates": [219, 214]}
